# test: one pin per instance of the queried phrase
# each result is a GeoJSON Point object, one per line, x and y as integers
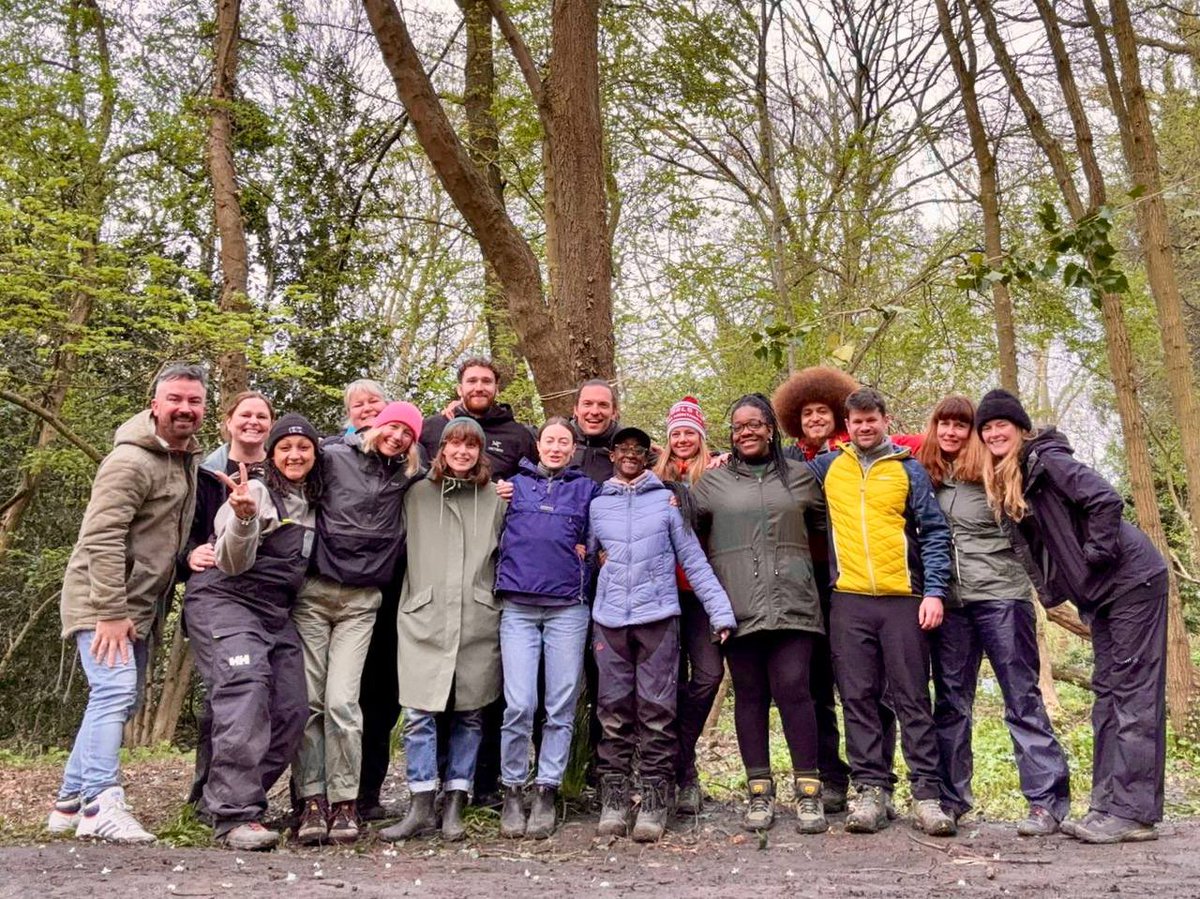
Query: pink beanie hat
{"type": "Point", "coordinates": [405, 413]}
{"type": "Point", "coordinates": [686, 414]}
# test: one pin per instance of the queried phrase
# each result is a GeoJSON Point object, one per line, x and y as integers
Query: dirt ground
{"type": "Point", "coordinates": [706, 857]}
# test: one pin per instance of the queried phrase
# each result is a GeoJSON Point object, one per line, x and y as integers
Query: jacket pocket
{"type": "Point", "coordinates": [487, 598]}
{"type": "Point", "coordinates": [417, 601]}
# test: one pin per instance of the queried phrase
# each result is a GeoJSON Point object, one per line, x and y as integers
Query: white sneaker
{"type": "Point", "coordinates": [64, 815]}
{"type": "Point", "coordinates": [107, 817]}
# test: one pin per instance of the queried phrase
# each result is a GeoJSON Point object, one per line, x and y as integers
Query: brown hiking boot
{"type": "Point", "coordinates": [343, 822]}
{"type": "Point", "coordinates": [930, 818]}
{"type": "Point", "coordinates": [868, 811]}
{"type": "Point", "coordinates": [760, 815]}
{"type": "Point", "coordinates": [614, 810]}
{"type": "Point", "coordinates": [313, 828]}
{"type": "Point", "coordinates": [652, 811]}
{"type": "Point", "coordinates": [810, 813]}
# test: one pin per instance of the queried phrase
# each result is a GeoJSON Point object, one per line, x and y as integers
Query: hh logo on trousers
{"type": "Point", "coordinates": [239, 661]}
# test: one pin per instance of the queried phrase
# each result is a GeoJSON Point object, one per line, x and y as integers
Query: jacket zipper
{"type": "Point", "coordinates": [862, 493]}
{"type": "Point", "coordinates": [629, 567]}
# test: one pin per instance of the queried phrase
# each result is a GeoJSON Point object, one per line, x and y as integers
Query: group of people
{"type": "Point", "coordinates": [479, 577]}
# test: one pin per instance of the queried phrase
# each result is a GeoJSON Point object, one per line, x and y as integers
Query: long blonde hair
{"type": "Point", "coordinates": [666, 468]}
{"type": "Point", "coordinates": [370, 444]}
{"type": "Point", "coordinates": [1004, 481]}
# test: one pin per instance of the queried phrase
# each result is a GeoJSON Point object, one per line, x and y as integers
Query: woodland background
{"type": "Point", "coordinates": [687, 197]}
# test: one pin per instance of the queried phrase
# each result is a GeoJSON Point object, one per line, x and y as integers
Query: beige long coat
{"type": "Point", "coordinates": [448, 624]}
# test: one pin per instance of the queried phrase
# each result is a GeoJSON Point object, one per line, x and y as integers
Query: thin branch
{"type": "Point", "coordinates": [54, 421]}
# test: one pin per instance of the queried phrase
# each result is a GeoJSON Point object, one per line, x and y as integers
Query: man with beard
{"type": "Point", "coordinates": [595, 422]}
{"type": "Point", "coordinates": [117, 587]}
{"type": "Point", "coordinates": [507, 441]}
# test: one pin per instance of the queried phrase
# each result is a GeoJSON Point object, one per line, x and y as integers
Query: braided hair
{"type": "Point", "coordinates": [762, 405]}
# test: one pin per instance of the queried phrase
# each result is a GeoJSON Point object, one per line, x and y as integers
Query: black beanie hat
{"type": "Point", "coordinates": [1001, 404]}
{"type": "Point", "coordinates": [290, 425]}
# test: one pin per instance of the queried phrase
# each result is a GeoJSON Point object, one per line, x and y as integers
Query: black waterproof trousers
{"type": "Point", "coordinates": [1006, 631]}
{"type": "Point", "coordinates": [700, 671]}
{"type": "Point", "coordinates": [379, 697]}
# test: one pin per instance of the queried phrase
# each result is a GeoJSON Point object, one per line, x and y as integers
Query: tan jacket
{"type": "Point", "coordinates": [135, 525]}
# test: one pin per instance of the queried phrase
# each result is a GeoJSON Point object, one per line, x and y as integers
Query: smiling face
{"type": "Point", "coordinates": [685, 443]}
{"type": "Point", "coordinates": [556, 446]}
{"type": "Point", "coordinates": [249, 424]}
{"type": "Point", "coordinates": [460, 455]}
{"type": "Point", "coordinates": [1000, 436]}
{"type": "Point", "coordinates": [178, 410]}
{"type": "Point", "coordinates": [952, 436]}
{"type": "Point", "coordinates": [595, 409]}
{"type": "Point", "coordinates": [868, 428]}
{"type": "Point", "coordinates": [294, 457]}
{"type": "Point", "coordinates": [362, 408]}
{"type": "Point", "coordinates": [629, 459]}
{"type": "Point", "coordinates": [395, 438]}
{"type": "Point", "coordinates": [477, 389]}
{"type": "Point", "coordinates": [751, 432]}
{"type": "Point", "coordinates": [817, 422]}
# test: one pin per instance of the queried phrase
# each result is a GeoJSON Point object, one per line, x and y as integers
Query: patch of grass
{"type": "Point", "coordinates": [185, 830]}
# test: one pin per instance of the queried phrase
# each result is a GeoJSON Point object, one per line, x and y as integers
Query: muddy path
{"type": "Point", "coordinates": [708, 858]}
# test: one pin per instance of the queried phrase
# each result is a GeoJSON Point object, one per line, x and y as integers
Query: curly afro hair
{"type": "Point", "coordinates": [818, 384]}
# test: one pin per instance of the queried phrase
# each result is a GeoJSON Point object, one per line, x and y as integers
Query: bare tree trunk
{"type": "Point", "coordinates": [223, 173]}
{"type": "Point", "coordinates": [541, 338]}
{"type": "Point", "coordinates": [963, 62]}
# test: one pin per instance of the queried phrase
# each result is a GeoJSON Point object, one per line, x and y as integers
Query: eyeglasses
{"type": "Point", "coordinates": [748, 426]}
{"type": "Point", "coordinates": [626, 450]}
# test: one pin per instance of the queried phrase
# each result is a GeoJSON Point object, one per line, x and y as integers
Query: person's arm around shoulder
{"type": "Point", "coordinates": [934, 536]}
{"type": "Point", "coordinates": [1082, 485]}
{"type": "Point", "coordinates": [242, 525]}
{"type": "Point", "coordinates": [701, 576]}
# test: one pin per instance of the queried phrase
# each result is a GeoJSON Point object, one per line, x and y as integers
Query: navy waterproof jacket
{"type": "Point", "coordinates": [547, 518]}
{"type": "Point", "coordinates": [1079, 546]}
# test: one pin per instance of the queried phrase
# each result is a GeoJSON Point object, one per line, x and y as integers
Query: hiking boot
{"type": "Point", "coordinates": [1069, 826]}
{"type": "Point", "coordinates": [868, 811]}
{"type": "Point", "coordinates": [369, 808]}
{"type": "Point", "coordinates": [1038, 823]}
{"type": "Point", "coordinates": [453, 828]}
{"type": "Point", "coordinates": [652, 811]}
{"type": "Point", "coordinates": [418, 822]}
{"type": "Point", "coordinates": [932, 820]}
{"type": "Point", "coordinates": [65, 815]}
{"type": "Point", "coordinates": [810, 812]}
{"type": "Point", "coordinates": [889, 806]}
{"type": "Point", "coordinates": [107, 817]}
{"type": "Point", "coordinates": [760, 814]}
{"type": "Point", "coordinates": [512, 815]}
{"type": "Point", "coordinates": [1111, 829]}
{"type": "Point", "coordinates": [313, 828]}
{"type": "Point", "coordinates": [689, 798]}
{"type": "Point", "coordinates": [614, 809]}
{"type": "Point", "coordinates": [543, 816]}
{"type": "Point", "coordinates": [343, 822]}
{"type": "Point", "coordinates": [249, 837]}
{"type": "Point", "coordinates": [833, 799]}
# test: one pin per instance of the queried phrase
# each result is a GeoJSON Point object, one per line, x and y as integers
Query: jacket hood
{"type": "Point", "coordinates": [1048, 438]}
{"type": "Point", "coordinates": [603, 439]}
{"type": "Point", "coordinates": [497, 413]}
{"type": "Point", "coordinates": [647, 482]}
{"type": "Point", "coordinates": [566, 474]}
{"type": "Point", "coordinates": [140, 431]}
{"type": "Point", "coordinates": [894, 452]}
{"type": "Point", "coordinates": [218, 459]}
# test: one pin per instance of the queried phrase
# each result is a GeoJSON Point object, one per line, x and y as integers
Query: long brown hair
{"type": "Point", "coordinates": [467, 432]}
{"type": "Point", "coordinates": [968, 464]}
{"type": "Point", "coordinates": [231, 405]}
{"type": "Point", "coordinates": [1004, 480]}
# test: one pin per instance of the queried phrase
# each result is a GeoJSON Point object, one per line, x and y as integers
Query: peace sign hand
{"type": "Point", "coordinates": [240, 500]}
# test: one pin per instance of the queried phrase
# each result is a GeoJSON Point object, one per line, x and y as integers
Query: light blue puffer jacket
{"type": "Point", "coordinates": [644, 535]}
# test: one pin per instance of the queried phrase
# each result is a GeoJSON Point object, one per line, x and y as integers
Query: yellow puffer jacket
{"type": "Point", "coordinates": [888, 535]}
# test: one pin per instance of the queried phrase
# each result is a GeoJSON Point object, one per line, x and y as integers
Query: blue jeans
{"type": "Point", "coordinates": [94, 764]}
{"type": "Point", "coordinates": [421, 749]}
{"type": "Point", "coordinates": [529, 634]}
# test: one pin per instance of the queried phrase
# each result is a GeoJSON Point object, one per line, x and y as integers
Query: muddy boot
{"type": "Point", "coordinates": [930, 818]}
{"type": "Point", "coordinates": [689, 798]}
{"type": "Point", "coordinates": [543, 816]}
{"type": "Point", "coordinates": [343, 822]}
{"type": "Point", "coordinates": [418, 822]}
{"type": "Point", "coordinates": [810, 813]}
{"type": "Point", "coordinates": [833, 799]}
{"type": "Point", "coordinates": [314, 822]}
{"type": "Point", "coordinates": [761, 813]}
{"type": "Point", "coordinates": [868, 811]}
{"type": "Point", "coordinates": [512, 815]}
{"type": "Point", "coordinates": [614, 811]}
{"type": "Point", "coordinates": [453, 828]}
{"type": "Point", "coordinates": [652, 812]}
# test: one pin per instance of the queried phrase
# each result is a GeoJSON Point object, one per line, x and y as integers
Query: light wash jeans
{"type": "Point", "coordinates": [527, 635]}
{"type": "Point", "coordinates": [94, 763]}
{"type": "Point", "coordinates": [421, 749]}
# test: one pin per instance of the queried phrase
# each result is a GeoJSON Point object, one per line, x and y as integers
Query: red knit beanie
{"type": "Point", "coordinates": [687, 414]}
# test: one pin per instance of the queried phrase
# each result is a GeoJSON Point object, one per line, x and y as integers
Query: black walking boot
{"type": "Point", "coordinates": [614, 812]}
{"type": "Point", "coordinates": [512, 815]}
{"type": "Point", "coordinates": [543, 816]}
{"type": "Point", "coordinates": [652, 812]}
{"type": "Point", "coordinates": [453, 828]}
